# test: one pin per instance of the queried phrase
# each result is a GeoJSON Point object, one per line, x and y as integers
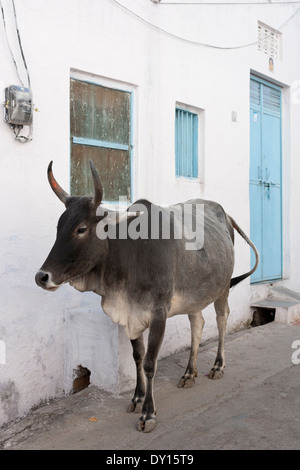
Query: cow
{"type": "Point", "coordinates": [146, 278]}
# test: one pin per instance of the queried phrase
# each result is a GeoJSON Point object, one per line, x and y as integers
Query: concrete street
{"type": "Point", "coordinates": [256, 405]}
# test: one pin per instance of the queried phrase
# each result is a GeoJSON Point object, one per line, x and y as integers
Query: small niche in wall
{"type": "Point", "coordinates": [81, 378]}
{"type": "Point", "coordinates": [262, 316]}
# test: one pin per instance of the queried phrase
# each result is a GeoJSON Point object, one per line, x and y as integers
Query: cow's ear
{"type": "Point", "coordinates": [127, 215]}
{"type": "Point", "coordinates": [115, 217]}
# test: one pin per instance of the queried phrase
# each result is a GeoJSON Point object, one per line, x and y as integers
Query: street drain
{"type": "Point", "coordinates": [81, 378]}
{"type": "Point", "coordinates": [262, 316]}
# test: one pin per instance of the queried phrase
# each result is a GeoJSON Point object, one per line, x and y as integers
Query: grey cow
{"type": "Point", "coordinates": [147, 277]}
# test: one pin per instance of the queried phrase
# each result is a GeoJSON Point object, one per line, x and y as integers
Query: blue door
{"type": "Point", "coordinates": [265, 178]}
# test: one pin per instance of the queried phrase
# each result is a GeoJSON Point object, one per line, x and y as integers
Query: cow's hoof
{"type": "Point", "coordinates": [186, 382]}
{"type": "Point", "coordinates": [135, 406]}
{"type": "Point", "coordinates": [216, 373]}
{"type": "Point", "coordinates": [146, 425]}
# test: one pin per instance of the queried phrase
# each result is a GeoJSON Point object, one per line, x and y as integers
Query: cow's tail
{"type": "Point", "coordinates": [236, 280]}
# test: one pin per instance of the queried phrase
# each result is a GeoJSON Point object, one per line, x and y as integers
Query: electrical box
{"type": "Point", "coordinates": [18, 106]}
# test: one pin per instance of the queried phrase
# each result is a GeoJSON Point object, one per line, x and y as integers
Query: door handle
{"type": "Point", "coordinates": [267, 186]}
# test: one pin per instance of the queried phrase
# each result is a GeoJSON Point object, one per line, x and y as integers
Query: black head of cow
{"type": "Point", "coordinates": [77, 249]}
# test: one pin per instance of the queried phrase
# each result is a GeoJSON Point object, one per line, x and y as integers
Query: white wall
{"type": "Point", "coordinates": [47, 335]}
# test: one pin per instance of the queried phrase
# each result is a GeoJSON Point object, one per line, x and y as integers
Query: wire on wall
{"type": "Point", "coordinates": [8, 44]}
{"type": "Point", "coordinates": [20, 44]}
{"type": "Point", "coordinates": [269, 2]}
{"type": "Point", "coordinates": [197, 43]}
{"type": "Point", "coordinates": [17, 128]}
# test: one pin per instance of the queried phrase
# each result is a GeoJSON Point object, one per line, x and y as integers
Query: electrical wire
{"type": "Point", "coordinates": [17, 128]}
{"type": "Point", "coordinates": [269, 2]}
{"type": "Point", "coordinates": [197, 43]}
{"type": "Point", "coordinates": [7, 40]}
{"type": "Point", "coordinates": [20, 44]}
{"type": "Point", "coordinates": [22, 138]}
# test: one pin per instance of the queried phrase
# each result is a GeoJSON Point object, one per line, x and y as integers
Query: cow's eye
{"type": "Point", "coordinates": [81, 230]}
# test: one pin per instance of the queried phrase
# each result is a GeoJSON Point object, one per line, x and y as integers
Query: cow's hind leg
{"type": "Point", "coordinates": [222, 311]}
{"type": "Point", "coordinates": [197, 323]}
{"type": "Point", "coordinates": [147, 421]}
{"type": "Point", "coordinates": [140, 389]}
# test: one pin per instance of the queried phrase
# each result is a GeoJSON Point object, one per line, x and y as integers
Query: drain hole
{"type": "Point", "coordinates": [81, 378]}
{"type": "Point", "coordinates": [262, 316]}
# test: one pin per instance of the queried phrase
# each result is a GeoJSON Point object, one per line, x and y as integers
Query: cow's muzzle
{"type": "Point", "coordinates": [43, 279]}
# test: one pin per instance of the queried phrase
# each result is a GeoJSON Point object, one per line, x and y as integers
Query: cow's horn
{"type": "Point", "coordinates": [97, 185]}
{"type": "Point", "coordinates": [60, 193]}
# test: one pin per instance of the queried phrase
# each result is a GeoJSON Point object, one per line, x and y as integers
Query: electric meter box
{"type": "Point", "coordinates": [18, 107]}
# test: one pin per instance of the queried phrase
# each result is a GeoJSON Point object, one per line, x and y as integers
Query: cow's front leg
{"type": "Point", "coordinates": [140, 389]}
{"type": "Point", "coordinates": [147, 421]}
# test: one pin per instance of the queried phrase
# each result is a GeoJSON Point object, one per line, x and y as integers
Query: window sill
{"type": "Point", "coordinates": [186, 179]}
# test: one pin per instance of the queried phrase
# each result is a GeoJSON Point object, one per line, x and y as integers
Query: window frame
{"type": "Point", "coordinates": [198, 143]}
{"type": "Point", "coordinates": [117, 86]}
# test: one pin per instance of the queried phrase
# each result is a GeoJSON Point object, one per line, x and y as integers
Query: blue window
{"type": "Point", "coordinates": [186, 143]}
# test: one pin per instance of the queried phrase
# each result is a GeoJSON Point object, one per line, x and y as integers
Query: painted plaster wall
{"type": "Point", "coordinates": [47, 335]}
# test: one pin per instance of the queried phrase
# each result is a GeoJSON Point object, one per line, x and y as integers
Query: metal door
{"type": "Point", "coordinates": [265, 178]}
